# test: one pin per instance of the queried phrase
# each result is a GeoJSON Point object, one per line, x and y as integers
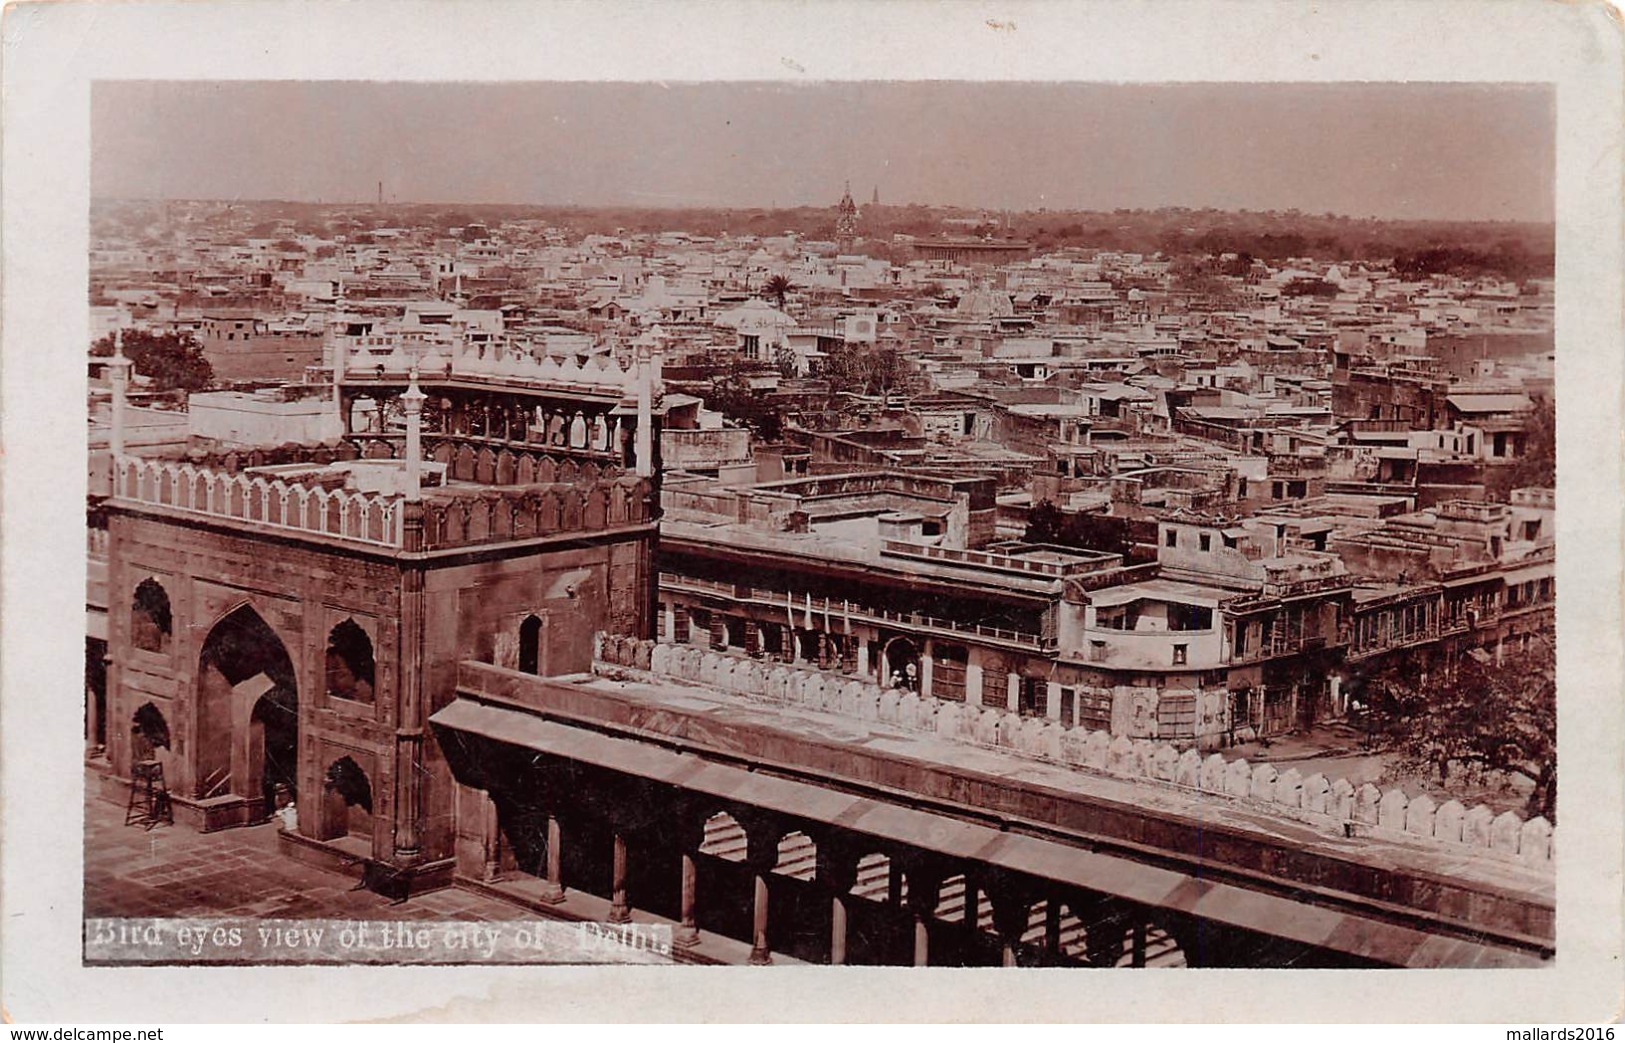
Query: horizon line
{"type": "Point", "coordinates": [679, 207]}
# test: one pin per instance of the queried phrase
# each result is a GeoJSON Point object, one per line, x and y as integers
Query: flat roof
{"type": "Point", "coordinates": [1157, 590]}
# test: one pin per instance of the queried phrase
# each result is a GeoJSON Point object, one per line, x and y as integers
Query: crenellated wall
{"type": "Point", "coordinates": [459, 519]}
{"type": "Point", "coordinates": [1316, 799]}
{"type": "Point", "coordinates": [359, 517]}
{"type": "Point", "coordinates": [450, 518]}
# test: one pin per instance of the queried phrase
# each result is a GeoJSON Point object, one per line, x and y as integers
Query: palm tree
{"type": "Point", "coordinates": [777, 286]}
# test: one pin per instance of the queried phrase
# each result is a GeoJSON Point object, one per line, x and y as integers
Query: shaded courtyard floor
{"type": "Point", "coordinates": [173, 871]}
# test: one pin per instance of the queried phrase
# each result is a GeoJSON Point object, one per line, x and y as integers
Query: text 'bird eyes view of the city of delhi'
{"type": "Point", "coordinates": [869, 584]}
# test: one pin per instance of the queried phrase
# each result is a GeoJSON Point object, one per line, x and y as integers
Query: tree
{"type": "Point", "coordinates": [732, 395]}
{"type": "Point", "coordinates": [1538, 464]}
{"type": "Point", "coordinates": [1302, 287]}
{"type": "Point", "coordinates": [1474, 714]}
{"type": "Point", "coordinates": [777, 287]}
{"type": "Point", "coordinates": [865, 370]}
{"type": "Point", "coordinates": [174, 361]}
{"type": "Point", "coordinates": [1044, 523]}
{"type": "Point", "coordinates": [885, 372]}
{"type": "Point", "coordinates": [784, 359]}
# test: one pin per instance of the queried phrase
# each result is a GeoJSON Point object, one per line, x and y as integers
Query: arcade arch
{"type": "Point", "coordinates": [247, 712]}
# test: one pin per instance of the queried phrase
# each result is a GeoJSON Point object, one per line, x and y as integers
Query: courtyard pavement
{"type": "Point", "coordinates": [173, 871]}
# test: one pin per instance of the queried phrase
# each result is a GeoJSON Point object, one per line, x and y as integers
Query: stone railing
{"type": "Point", "coordinates": [829, 608]}
{"type": "Point", "coordinates": [507, 364]}
{"type": "Point", "coordinates": [468, 458]}
{"type": "Point", "coordinates": [1327, 803]}
{"type": "Point", "coordinates": [460, 519]}
{"type": "Point", "coordinates": [265, 503]}
{"type": "Point", "coordinates": [487, 452]}
{"type": "Point", "coordinates": [976, 558]}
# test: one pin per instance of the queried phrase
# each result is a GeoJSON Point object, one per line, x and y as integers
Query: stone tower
{"type": "Point", "coordinates": [846, 220]}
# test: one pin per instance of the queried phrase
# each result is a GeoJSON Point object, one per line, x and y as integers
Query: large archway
{"type": "Point", "coordinates": [247, 712]}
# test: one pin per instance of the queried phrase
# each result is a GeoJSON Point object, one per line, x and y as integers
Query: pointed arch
{"type": "Point", "coordinates": [347, 797]}
{"type": "Point", "coordinates": [151, 622]}
{"type": "Point", "coordinates": [350, 666]}
{"type": "Point", "coordinates": [530, 645]}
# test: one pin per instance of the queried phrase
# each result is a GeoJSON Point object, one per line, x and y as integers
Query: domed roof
{"type": "Point", "coordinates": [983, 303]}
{"type": "Point", "coordinates": [754, 314]}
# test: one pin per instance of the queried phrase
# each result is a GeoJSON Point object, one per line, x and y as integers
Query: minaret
{"type": "Point", "coordinates": [644, 446]}
{"type": "Point", "coordinates": [118, 374]}
{"type": "Point", "coordinates": [340, 350]}
{"type": "Point", "coordinates": [846, 220]}
{"type": "Point", "coordinates": [412, 406]}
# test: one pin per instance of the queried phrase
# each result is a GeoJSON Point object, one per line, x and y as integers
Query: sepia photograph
{"type": "Point", "coordinates": [934, 522]}
{"type": "Point", "coordinates": [1033, 565]}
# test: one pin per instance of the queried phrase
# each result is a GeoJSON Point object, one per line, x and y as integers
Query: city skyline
{"type": "Point", "coordinates": [1405, 152]}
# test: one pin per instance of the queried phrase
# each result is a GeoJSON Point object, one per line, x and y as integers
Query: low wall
{"type": "Point", "coordinates": [1359, 810]}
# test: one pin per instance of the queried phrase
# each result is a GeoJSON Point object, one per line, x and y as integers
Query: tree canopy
{"type": "Point", "coordinates": [1474, 714]}
{"type": "Point", "coordinates": [865, 370]}
{"type": "Point", "coordinates": [732, 395]}
{"type": "Point", "coordinates": [777, 287]}
{"type": "Point", "coordinates": [174, 361]}
{"type": "Point", "coordinates": [1047, 523]}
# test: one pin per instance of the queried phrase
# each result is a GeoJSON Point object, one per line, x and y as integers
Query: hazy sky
{"type": "Point", "coordinates": [1385, 150]}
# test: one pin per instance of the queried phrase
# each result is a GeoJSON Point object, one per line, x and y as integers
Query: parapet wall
{"type": "Point", "coordinates": [496, 515]}
{"type": "Point", "coordinates": [450, 518]}
{"type": "Point", "coordinates": [362, 517]}
{"type": "Point", "coordinates": [1328, 803]}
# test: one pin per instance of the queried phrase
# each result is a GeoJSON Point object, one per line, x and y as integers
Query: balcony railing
{"type": "Point", "coordinates": [982, 559]}
{"type": "Point", "coordinates": [799, 610]}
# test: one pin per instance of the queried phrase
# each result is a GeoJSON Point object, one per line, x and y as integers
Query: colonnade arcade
{"type": "Point", "coordinates": [589, 428]}
{"type": "Point", "coordinates": [792, 886]}
{"type": "Point", "coordinates": [889, 655]}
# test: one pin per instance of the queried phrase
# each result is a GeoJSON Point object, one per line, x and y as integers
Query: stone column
{"type": "Point", "coordinates": [1010, 920]}
{"type": "Point", "coordinates": [761, 854]}
{"type": "Point", "coordinates": [760, 954]}
{"type": "Point", "coordinates": [836, 874]}
{"type": "Point", "coordinates": [924, 888]}
{"type": "Point", "coordinates": [1012, 692]}
{"type": "Point", "coordinates": [688, 930]}
{"type": "Point", "coordinates": [973, 684]}
{"type": "Point", "coordinates": [670, 624]}
{"type": "Point", "coordinates": [412, 406]}
{"type": "Point", "coordinates": [118, 374]}
{"type": "Point", "coordinates": [620, 911]}
{"type": "Point", "coordinates": [863, 656]}
{"type": "Point", "coordinates": [1052, 700]}
{"type": "Point", "coordinates": [492, 828]}
{"type": "Point", "coordinates": [409, 726]}
{"type": "Point", "coordinates": [925, 675]}
{"type": "Point", "coordinates": [644, 445]}
{"type": "Point", "coordinates": [340, 349]}
{"type": "Point", "coordinates": [553, 893]}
